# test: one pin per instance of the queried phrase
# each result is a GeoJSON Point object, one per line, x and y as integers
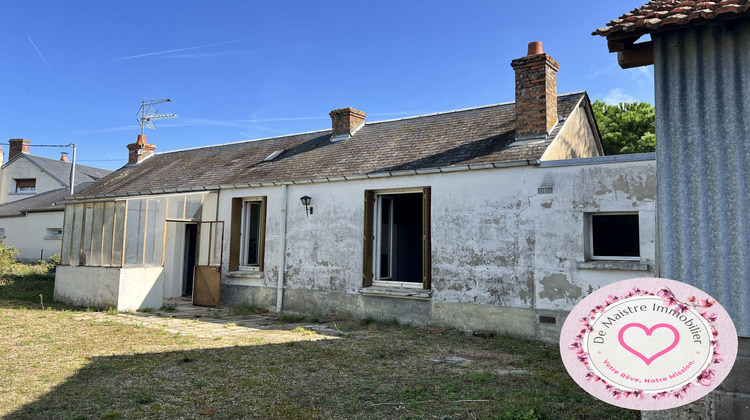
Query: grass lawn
{"type": "Point", "coordinates": [53, 365]}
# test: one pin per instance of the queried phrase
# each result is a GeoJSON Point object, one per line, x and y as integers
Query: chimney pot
{"type": "Point", "coordinates": [345, 122]}
{"type": "Point", "coordinates": [64, 156]}
{"type": "Point", "coordinates": [535, 48]}
{"type": "Point", "coordinates": [18, 146]}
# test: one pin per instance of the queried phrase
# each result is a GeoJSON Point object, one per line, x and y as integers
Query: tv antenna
{"type": "Point", "coordinates": [147, 114]}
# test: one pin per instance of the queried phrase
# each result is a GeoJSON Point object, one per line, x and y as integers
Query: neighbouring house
{"type": "Point", "coordinates": [701, 56]}
{"type": "Point", "coordinates": [32, 189]}
{"type": "Point", "coordinates": [498, 217]}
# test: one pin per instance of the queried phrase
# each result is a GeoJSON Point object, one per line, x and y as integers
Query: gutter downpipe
{"type": "Point", "coordinates": [282, 247]}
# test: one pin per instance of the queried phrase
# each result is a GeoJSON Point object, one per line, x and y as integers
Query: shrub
{"type": "Point", "coordinates": [7, 257]}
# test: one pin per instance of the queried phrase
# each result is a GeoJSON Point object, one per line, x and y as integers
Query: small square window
{"type": "Point", "coordinates": [53, 233]}
{"type": "Point", "coordinates": [2, 233]}
{"type": "Point", "coordinates": [613, 236]}
{"type": "Point", "coordinates": [25, 186]}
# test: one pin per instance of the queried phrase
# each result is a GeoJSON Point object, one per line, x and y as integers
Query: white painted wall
{"type": "Point", "coordinates": [28, 234]}
{"type": "Point", "coordinates": [121, 288]}
{"type": "Point", "coordinates": [140, 287]}
{"type": "Point", "coordinates": [87, 286]}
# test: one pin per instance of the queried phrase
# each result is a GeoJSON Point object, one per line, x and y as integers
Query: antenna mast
{"type": "Point", "coordinates": [147, 115]}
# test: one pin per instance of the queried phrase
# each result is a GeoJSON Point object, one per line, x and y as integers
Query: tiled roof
{"type": "Point", "coordinates": [60, 170]}
{"type": "Point", "coordinates": [658, 15]}
{"type": "Point", "coordinates": [47, 201]}
{"type": "Point", "coordinates": [464, 137]}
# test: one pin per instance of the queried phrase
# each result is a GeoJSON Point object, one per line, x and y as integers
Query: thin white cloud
{"type": "Point", "coordinates": [41, 56]}
{"type": "Point", "coordinates": [178, 50]}
{"type": "Point", "coordinates": [617, 95]}
{"type": "Point", "coordinates": [209, 54]}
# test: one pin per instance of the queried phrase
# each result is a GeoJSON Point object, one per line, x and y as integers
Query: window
{"type": "Point", "coordinates": [53, 233]}
{"type": "Point", "coordinates": [613, 236]}
{"type": "Point", "coordinates": [397, 251]}
{"type": "Point", "coordinates": [247, 235]}
{"type": "Point", "coordinates": [2, 233]}
{"type": "Point", "coordinates": [25, 186]}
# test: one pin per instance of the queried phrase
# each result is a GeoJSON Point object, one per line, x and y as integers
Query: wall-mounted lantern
{"type": "Point", "coordinates": [306, 202]}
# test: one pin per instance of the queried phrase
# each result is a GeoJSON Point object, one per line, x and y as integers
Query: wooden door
{"type": "Point", "coordinates": [207, 283]}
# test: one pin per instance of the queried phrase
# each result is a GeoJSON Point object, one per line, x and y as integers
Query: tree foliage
{"type": "Point", "coordinates": [626, 128]}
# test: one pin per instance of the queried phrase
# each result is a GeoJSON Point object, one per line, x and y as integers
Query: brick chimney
{"type": "Point", "coordinates": [17, 146]}
{"type": "Point", "coordinates": [139, 150]}
{"type": "Point", "coordinates": [536, 93]}
{"type": "Point", "coordinates": [345, 122]}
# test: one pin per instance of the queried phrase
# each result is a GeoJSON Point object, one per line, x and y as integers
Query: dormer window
{"type": "Point", "coordinates": [25, 186]}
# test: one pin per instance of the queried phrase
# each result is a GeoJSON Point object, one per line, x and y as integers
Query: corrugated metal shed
{"type": "Point", "coordinates": [702, 77]}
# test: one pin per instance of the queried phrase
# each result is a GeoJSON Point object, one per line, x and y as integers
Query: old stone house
{"type": "Point", "coordinates": [498, 217]}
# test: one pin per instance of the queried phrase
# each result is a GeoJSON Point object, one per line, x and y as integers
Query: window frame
{"type": "Point", "coordinates": [372, 238]}
{"type": "Point", "coordinates": [56, 235]}
{"type": "Point", "coordinates": [18, 189]}
{"type": "Point", "coordinates": [238, 233]}
{"type": "Point", "coordinates": [590, 255]}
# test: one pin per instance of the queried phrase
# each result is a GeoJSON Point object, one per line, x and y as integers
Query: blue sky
{"type": "Point", "coordinates": [77, 71]}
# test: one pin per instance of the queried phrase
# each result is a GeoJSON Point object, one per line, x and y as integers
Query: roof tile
{"type": "Point", "coordinates": [658, 15]}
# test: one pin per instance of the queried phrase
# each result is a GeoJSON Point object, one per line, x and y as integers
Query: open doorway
{"type": "Point", "coordinates": [188, 259]}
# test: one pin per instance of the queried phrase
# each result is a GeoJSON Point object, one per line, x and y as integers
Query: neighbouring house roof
{"type": "Point", "coordinates": [60, 170]}
{"type": "Point", "coordinates": [47, 201]}
{"type": "Point", "coordinates": [658, 15]}
{"type": "Point", "coordinates": [481, 135]}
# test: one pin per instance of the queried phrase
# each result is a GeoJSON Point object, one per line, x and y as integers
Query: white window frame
{"type": "Point", "coordinates": [379, 195]}
{"type": "Point", "coordinates": [246, 206]}
{"type": "Point", "coordinates": [590, 238]}
{"type": "Point", "coordinates": [2, 233]}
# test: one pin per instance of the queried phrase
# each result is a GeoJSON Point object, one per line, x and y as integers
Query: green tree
{"type": "Point", "coordinates": [626, 128]}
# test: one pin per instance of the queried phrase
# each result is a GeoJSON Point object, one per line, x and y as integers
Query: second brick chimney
{"type": "Point", "coordinates": [536, 93]}
{"type": "Point", "coordinates": [17, 146]}
{"type": "Point", "coordinates": [139, 150]}
{"type": "Point", "coordinates": [345, 122]}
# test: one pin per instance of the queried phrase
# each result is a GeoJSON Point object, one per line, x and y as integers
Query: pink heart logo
{"type": "Point", "coordinates": [648, 332]}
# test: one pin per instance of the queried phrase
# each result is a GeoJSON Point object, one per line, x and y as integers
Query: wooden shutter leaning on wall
{"type": "Point", "coordinates": [235, 234]}
{"type": "Point", "coordinates": [426, 239]}
{"type": "Point", "coordinates": [367, 253]}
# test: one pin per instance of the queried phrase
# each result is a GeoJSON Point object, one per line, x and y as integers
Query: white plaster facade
{"type": "Point", "coordinates": [24, 169]}
{"type": "Point", "coordinates": [502, 253]}
{"type": "Point", "coordinates": [33, 235]}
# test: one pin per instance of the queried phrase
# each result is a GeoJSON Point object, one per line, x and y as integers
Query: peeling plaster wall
{"type": "Point", "coordinates": [502, 253]}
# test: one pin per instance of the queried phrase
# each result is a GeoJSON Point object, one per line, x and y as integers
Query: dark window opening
{"type": "Point", "coordinates": [400, 241]}
{"type": "Point", "coordinates": [615, 236]}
